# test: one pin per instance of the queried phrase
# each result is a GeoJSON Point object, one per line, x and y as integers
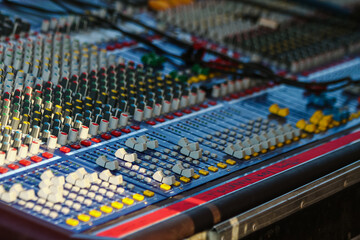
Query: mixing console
{"type": "Point", "coordinates": [97, 123]}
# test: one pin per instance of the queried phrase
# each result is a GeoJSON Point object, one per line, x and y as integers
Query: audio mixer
{"type": "Point", "coordinates": [112, 111]}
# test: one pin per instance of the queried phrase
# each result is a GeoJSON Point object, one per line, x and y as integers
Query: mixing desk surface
{"type": "Point", "coordinates": [118, 117]}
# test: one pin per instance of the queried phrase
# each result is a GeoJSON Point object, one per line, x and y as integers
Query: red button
{"type": "Point", "coordinates": [35, 159]}
{"type": "Point", "coordinates": [47, 155]}
{"type": "Point", "coordinates": [118, 45]}
{"type": "Point", "coordinates": [86, 143]}
{"type": "Point", "coordinates": [65, 149]}
{"type": "Point", "coordinates": [3, 170]}
{"type": "Point", "coordinates": [234, 96]}
{"type": "Point", "coordinates": [135, 127]}
{"type": "Point", "coordinates": [75, 146]}
{"type": "Point", "coordinates": [106, 136]}
{"type": "Point", "coordinates": [97, 140]}
{"type": "Point", "coordinates": [282, 73]}
{"type": "Point", "coordinates": [169, 117]}
{"type": "Point", "coordinates": [236, 55]}
{"type": "Point", "coordinates": [249, 91]}
{"type": "Point", "coordinates": [195, 108]}
{"type": "Point", "coordinates": [151, 122]}
{"type": "Point", "coordinates": [256, 89]}
{"type": "Point", "coordinates": [227, 98]}
{"type": "Point", "coordinates": [110, 48]}
{"type": "Point", "coordinates": [178, 114]}
{"type": "Point", "coordinates": [13, 166]}
{"type": "Point", "coordinates": [126, 130]}
{"type": "Point", "coordinates": [187, 111]}
{"type": "Point", "coordinates": [305, 74]}
{"type": "Point", "coordinates": [25, 162]}
{"type": "Point", "coordinates": [213, 103]}
{"type": "Point", "coordinates": [204, 106]}
{"type": "Point", "coordinates": [116, 133]}
{"type": "Point", "coordinates": [213, 46]}
{"type": "Point", "coordinates": [160, 119]}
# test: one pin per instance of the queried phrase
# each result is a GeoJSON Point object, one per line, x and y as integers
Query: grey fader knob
{"type": "Point", "coordinates": [102, 160]}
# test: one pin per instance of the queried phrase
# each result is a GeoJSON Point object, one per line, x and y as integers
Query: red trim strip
{"type": "Point", "coordinates": [204, 197]}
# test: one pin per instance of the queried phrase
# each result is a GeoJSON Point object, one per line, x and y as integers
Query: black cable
{"type": "Point", "coordinates": [318, 87]}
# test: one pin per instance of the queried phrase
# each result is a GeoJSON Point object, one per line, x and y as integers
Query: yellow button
{"type": "Point", "coordinates": [72, 222]}
{"type": "Point", "coordinates": [321, 129]}
{"type": "Point", "coordinates": [193, 79]}
{"type": "Point", "coordinates": [318, 114]}
{"type": "Point", "coordinates": [106, 209]}
{"type": "Point", "coordinates": [128, 201]}
{"type": "Point", "coordinates": [148, 193]}
{"type": "Point", "coordinates": [310, 128]}
{"type": "Point", "coordinates": [83, 217]}
{"type": "Point", "coordinates": [117, 205]}
{"type": "Point", "coordinates": [196, 176]}
{"type": "Point", "coordinates": [303, 135]}
{"type": "Point", "coordinates": [247, 157]}
{"type": "Point", "coordinates": [314, 120]}
{"type": "Point", "coordinates": [138, 197]}
{"type": "Point", "coordinates": [316, 117]}
{"type": "Point", "coordinates": [165, 187]}
{"type": "Point", "coordinates": [230, 162]}
{"type": "Point", "coordinates": [95, 213]}
{"type": "Point", "coordinates": [274, 108]}
{"type": "Point", "coordinates": [213, 169]}
{"type": "Point", "coordinates": [336, 123]}
{"type": "Point", "coordinates": [324, 123]}
{"type": "Point", "coordinates": [328, 118]}
{"type": "Point", "coordinates": [203, 172]}
{"type": "Point", "coordinates": [185, 179]}
{"type": "Point", "coordinates": [283, 112]}
{"type": "Point", "coordinates": [263, 150]}
{"type": "Point", "coordinates": [176, 183]}
{"type": "Point", "coordinates": [221, 165]}
{"type": "Point", "coordinates": [202, 77]}
{"type": "Point", "coordinates": [301, 124]}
